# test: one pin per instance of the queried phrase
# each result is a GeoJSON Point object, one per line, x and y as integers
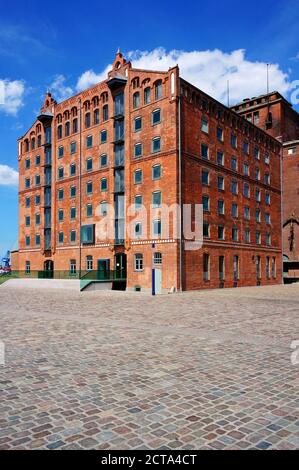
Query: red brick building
{"type": "Point", "coordinates": [135, 144]}
{"type": "Point", "coordinates": [274, 114]}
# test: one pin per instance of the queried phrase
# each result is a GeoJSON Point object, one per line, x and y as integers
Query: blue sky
{"type": "Point", "coordinates": [66, 46]}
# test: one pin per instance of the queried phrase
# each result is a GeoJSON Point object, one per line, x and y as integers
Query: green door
{"type": "Point", "coordinates": [103, 269]}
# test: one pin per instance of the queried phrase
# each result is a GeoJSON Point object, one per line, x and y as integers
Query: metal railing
{"type": "Point", "coordinates": [94, 275]}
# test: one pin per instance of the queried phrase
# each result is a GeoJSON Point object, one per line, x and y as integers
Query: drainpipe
{"type": "Point", "coordinates": [180, 195]}
{"type": "Point", "coordinates": [80, 185]}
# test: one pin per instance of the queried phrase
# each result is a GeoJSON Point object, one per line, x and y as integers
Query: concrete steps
{"type": "Point", "coordinates": [70, 284]}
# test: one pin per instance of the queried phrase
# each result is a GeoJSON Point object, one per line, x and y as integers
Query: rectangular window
{"type": "Point", "coordinates": [60, 215]}
{"type": "Point", "coordinates": [220, 158]}
{"type": "Point", "coordinates": [234, 210]}
{"type": "Point", "coordinates": [206, 203]}
{"type": "Point", "coordinates": [205, 125]}
{"type": "Point", "coordinates": [246, 148]}
{"type": "Point", "coordinates": [156, 117]}
{"type": "Point", "coordinates": [233, 140]}
{"type": "Point", "coordinates": [27, 202]}
{"type": "Point", "coordinates": [27, 240]}
{"type": "Point", "coordinates": [247, 236]}
{"type": "Point", "coordinates": [204, 151]}
{"type": "Point", "coordinates": [37, 200]}
{"type": "Point", "coordinates": [138, 202]}
{"type": "Point", "coordinates": [104, 184]}
{"type": "Point", "coordinates": [73, 147]}
{"type": "Point", "coordinates": [156, 199]}
{"type": "Point", "coordinates": [67, 129]}
{"type": "Point", "coordinates": [234, 164]}
{"type": "Point", "coordinates": [73, 169]}
{"type": "Point", "coordinates": [220, 207]}
{"type": "Point", "coordinates": [257, 194]}
{"type": "Point", "coordinates": [268, 239]}
{"type": "Point", "coordinates": [156, 144]}
{"type": "Point", "coordinates": [60, 151]}
{"type": "Point", "coordinates": [37, 160]}
{"type": "Point", "coordinates": [235, 234]}
{"type": "Point", "coordinates": [27, 267]}
{"type": "Point", "coordinates": [103, 137]}
{"type": "Point", "coordinates": [27, 183]}
{"type": "Point", "coordinates": [37, 240]}
{"type": "Point", "coordinates": [119, 104]}
{"type": "Point", "coordinates": [75, 126]}
{"type": "Point", "coordinates": [87, 120]}
{"type": "Point", "coordinates": [96, 116]}
{"type": "Point", "coordinates": [158, 90]}
{"type": "Point", "coordinates": [221, 268]}
{"type": "Point", "coordinates": [246, 191]}
{"type": "Point", "coordinates": [137, 124]}
{"type": "Point", "coordinates": [274, 267]}
{"type": "Point", "coordinates": [258, 238]}
{"type": "Point", "coordinates": [89, 263]}
{"type": "Point", "coordinates": [147, 95]}
{"type": "Point", "coordinates": [103, 160]}
{"type": "Point", "coordinates": [138, 150]}
{"type": "Point", "coordinates": [60, 173]}
{"type": "Point", "coordinates": [267, 267]}
{"type": "Point", "coordinates": [89, 141]}
{"type": "Point", "coordinates": [220, 232]}
{"type": "Point", "coordinates": [205, 177]}
{"type": "Point", "coordinates": [72, 191]}
{"type": "Point", "coordinates": [37, 180]}
{"type": "Point", "coordinates": [37, 219]}
{"type": "Point", "coordinates": [157, 228]}
{"type": "Point", "coordinates": [206, 266]}
{"type": "Point", "coordinates": [73, 213]}
{"type": "Point", "coordinates": [88, 210]}
{"type": "Point", "coordinates": [137, 176]}
{"type": "Point", "coordinates": [73, 268]}
{"type": "Point", "coordinates": [256, 153]}
{"type": "Point", "coordinates": [246, 169]}
{"type": "Point", "coordinates": [60, 237]}
{"type": "Point", "coordinates": [73, 236]}
{"type": "Point", "coordinates": [105, 112]}
{"type": "Point", "coordinates": [138, 262]}
{"type": "Point", "coordinates": [157, 258]}
{"type": "Point", "coordinates": [138, 229]}
{"type": "Point", "coordinates": [234, 187]}
{"type": "Point", "coordinates": [27, 221]}
{"type": "Point", "coordinates": [267, 158]}
{"type": "Point", "coordinates": [220, 183]}
{"type": "Point", "coordinates": [206, 229]}
{"type": "Point", "coordinates": [156, 172]}
{"type": "Point", "coordinates": [220, 134]}
{"type": "Point", "coordinates": [87, 234]}
{"type": "Point", "coordinates": [236, 267]}
{"type": "Point", "coordinates": [246, 213]}
{"type": "Point", "coordinates": [89, 164]}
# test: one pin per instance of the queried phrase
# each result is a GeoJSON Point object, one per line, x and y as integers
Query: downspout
{"type": "Point", "coordinates": [180, 195]}
{"type": "Point", "coordinates": [80, 186]}
{"type": "Point", "coordinates": [281, 211]}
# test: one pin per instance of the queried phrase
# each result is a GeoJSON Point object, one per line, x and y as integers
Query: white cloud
{"type": "Point", "coordinates": [8, 176]}
{"type": "Point", "coordinates": [90, 78]}
{"type": "Point", "coordinates": [11, 96]}
{"type": "Point", "coordinates": [209, 70]}
{"type": "Point", "coordinates": [59, 89]}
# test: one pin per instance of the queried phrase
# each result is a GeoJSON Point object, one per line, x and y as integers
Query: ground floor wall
{"type": "Point", "coordinates": [241, 266]}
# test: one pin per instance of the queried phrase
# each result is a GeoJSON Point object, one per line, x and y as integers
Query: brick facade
{"type": "Point", "coordinates": [172, 120]}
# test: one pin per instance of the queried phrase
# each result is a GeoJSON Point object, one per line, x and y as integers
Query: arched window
{"type": "Point", "coordinates": [158, 89]}
{"type": "Point", "coordinates": [136, 99]}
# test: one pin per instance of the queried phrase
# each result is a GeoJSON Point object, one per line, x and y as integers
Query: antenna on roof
{"type": "Point", "coordinates": [227, 93]}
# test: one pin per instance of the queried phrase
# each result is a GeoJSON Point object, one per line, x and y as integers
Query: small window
{"type": "Point", "coordinates": [73, 268]}
{"type": "Point", "coordinates": [156, 144]}
{"type": "Point", "coordinates": [59, 132]}
{"type": "Point", "coordinates": [138, 202]}
{"type": "Point", "coordinates": [220, 207]}
{"type": "Point", "coordinates": [220, 232]}
{"type": "Point", "coordinates": [246, 213]}
{"type": "Point", "coordinates": [234, 210]}
{"type": "Point", "coordinates": [89, 141]}
{"type": "Point", "coordinates": [233, 140]}
{"type": "Point", "coordinates": [257, 195]}
{"type": "Point", "coordinates": [73, 147]}
{"type": "Point", "coordinates": [256, 153]}
{"type": "Point", "coordinates": [220, 158]}
{"type": "Point", "coordinates": [156, 117]}
{"type": "Point", "coordinates": [246, 191]}
{"type": "Point", "coordinates": [37, 160]}
{"type": "Point", "coordinates": [267, 158]}
{"type": "Point", "coordinates": [89, 263]}
{"type": "Point", "coordinates": [236, 267]}
{"type": "Point", "coordinates": [27, 267]}
{"type": "Point", "coordinates": [27, 240]}
{"type": "Point", "coordinates": [138, 176]}
{"type": "Point", "coordinates": [137, 150]}
{"type": "Point", "coordinates": [60, 194]}
{"type": "Point", "coordinates": [138, 229]}
{"type": "Point", "coordinates": [267, 198]}
{"type": "Point", "coordinates": [60, 237]}
{"type": "Point", "coordinates": [60, 215]}
{"type": "Point", "coordinates": [37, 180]}
{"type": "Point", "coordinates": [267, 178]}
{"type": "Point", "coordinates": [39, 140]}
{"type": "Point", "coordinates": [206, 266]}
{"type": "Point", "coordinates": [156, 199]}
{"type": "Point", "coordinates": [27, 221]}
{"type": "Point", "coordinates": [234, 187]}
{"type": "Point", "coordinates": [234, 164]}
{"type": "Point", "coordinates": [147, 95]}
{"type": "Point", "coordinates": [206, 203]}
{"type": "Point", "coordinates": [103, 137]}
{"type": "Point", "coordinates": [60, 151]}
{"type": "Point", "coordinates": [157, 228]}
{"type": "Point", "coordinates": [73, 236]}
{"type": "Point", "coordinates": [138, 262]}
{"type": "Point", "coordinates": [103, 208]}
{"type": "Point", "coordinates": [235, 234]}
{"type": "Point", "coordinates": [204, 151]}
{"type": "Point", "coordinates": [27, 183]}
{"type": "Point", "coordinates": [157, 258]}
{"type": "Point", "coordinates": [87, 120]}
{"type": "Point", "coordinates": [37, 240]}
{"type": "Point", "coordinates": [205, 125]}
{"type": "Point", "coordinates": [27, 202]}
{"type": "Point", "coordinates": [73, 213]}
{"type": "Point", "coordinates": [37, 200]}
{"type": "Point", "coordinates": [220, 134]}
{"type": "Point", "coordinates": [89, 164]}
{"type": "Point", "coordinates": [67, 129]}
{"type": "Point", "coordinates": [268, 218]}
{"type": "Point", "coordinates": [158, 90]}
{"type": "Point", "coordinates": [247, 236]}
{"type": "Point", "coordinates": [246, 148]}
{"type": "Point", "coordinates": [96, 116]}
{"type": "Point", "coordinates": [60, 173]}
{"type": "Point", "coordinates": [105, 112]}
{"type": "Point", "coordinates": [205, 177]}
{"type": "Point", "coordinates": [206, 229]}
{"type": "Point", "coordinates": [73, 191]}
{"type": "Point", "coordinates": [136, 100]}
{"type": "Point", "coordinates": [258, 215]}
{"type": "Point", "coordinates": [72, 169]}
{"type": "Point", "coordinates": [220, 183]}
{"type": "Point", "coordinates": [103, 160]}
{"type": "Point", "coordinates": [87, 234]}
{"type": "Point", "coordinates": [257, 174]}
{"type": "Point", "coordinates": [137, 124]}
{"type": "Point", "coordinates": [104, 184]}
{"type": "Point", "coordinates": [88, 210]}
{"type": "Point", "coordinates": [156, 172]}
{"type": "Point", "coordinates": [89, 187]}
{"type": "Point", "coordinates": [221, 267]}
{"type": "Point", "coordinates": [258, 238]}
{"type": "Point", "coordinates": [27, 163]}
{"type": "Point", "coordinates": [246, 169]}
{"type": "Point", "coordinates": [75, 125]}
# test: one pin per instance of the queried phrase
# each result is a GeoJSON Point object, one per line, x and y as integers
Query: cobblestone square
{"type": "Point", "coordinates": [114, 370]}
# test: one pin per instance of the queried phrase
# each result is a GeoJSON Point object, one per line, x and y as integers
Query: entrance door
{"type": "Point", "coordinates": [121, 266]}
{"type": "Point", "coordinates": [48, 269]}
{"type": "Point", "coordinates": [158, 281]}
{"type": "Point", "coordinates": [103, 269]}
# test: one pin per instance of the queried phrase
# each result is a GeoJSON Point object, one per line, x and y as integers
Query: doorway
{"type": "Point", "coordinates": [103, 269]}
{"type": "Point", "coordinates": [120, 267]}
{"type": "Point", "coordinates": [48, 269]}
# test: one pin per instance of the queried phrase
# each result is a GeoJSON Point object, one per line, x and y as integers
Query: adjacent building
{"type": "Point", "coordinates": [117, 158]}
{"type": "Point", "coordinates": [275, 115]}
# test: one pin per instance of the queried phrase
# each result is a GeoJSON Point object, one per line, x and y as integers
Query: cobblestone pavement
{"type": "Point", "coordinates": [201, 370]}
